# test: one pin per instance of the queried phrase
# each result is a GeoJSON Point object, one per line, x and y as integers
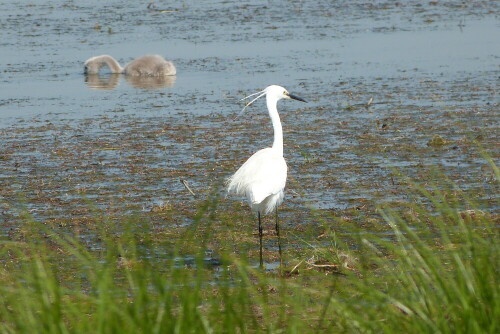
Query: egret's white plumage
{"type": "Point", "coordinates": [262, 178]}
{"type": "Point", "coordinates": [150, 65]}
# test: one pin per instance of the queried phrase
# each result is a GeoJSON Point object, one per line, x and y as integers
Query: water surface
{"type": "Point", "coordinates": [429, 69]}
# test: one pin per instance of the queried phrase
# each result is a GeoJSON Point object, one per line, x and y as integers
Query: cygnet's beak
{"type": "Point", "coordinates": [295, 97]}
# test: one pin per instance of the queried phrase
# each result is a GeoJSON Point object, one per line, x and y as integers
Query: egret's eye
{"type": "Point", "coordinates": [285, 92]}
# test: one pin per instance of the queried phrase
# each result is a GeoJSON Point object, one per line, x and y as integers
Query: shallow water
{"type": "Point", "coordinates": [429, 69]}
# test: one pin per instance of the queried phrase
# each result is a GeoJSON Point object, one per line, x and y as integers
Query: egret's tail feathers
{"type": "Point", "coordinates": [268, 204]}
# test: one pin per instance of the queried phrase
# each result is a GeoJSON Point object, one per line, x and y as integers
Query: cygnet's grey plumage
{"type": "Point", "coordinates": [150, 65]}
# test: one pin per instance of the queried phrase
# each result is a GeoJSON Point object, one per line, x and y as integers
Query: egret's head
{"type": "Point", "coordinates": [273, 91]}
{"type": "Point", "coordinates": [279, 93]}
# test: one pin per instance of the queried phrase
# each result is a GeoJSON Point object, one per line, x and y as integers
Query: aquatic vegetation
{"type": "Point", "coordinates": [433, 267]}
{"type": "Point", "coordinates": [437, 140]}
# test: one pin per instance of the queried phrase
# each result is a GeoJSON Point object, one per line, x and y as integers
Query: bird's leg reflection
{"type": "Point", "coordinates": [260, 239]}
{"type": "Point", "coordinates": [279, 240]}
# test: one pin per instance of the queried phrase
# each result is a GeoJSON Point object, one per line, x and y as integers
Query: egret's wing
{"type": "Point", "coordinates": [263, 174]}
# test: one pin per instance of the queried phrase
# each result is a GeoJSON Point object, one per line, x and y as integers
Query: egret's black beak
{"type": "Point", "coordinates": [295, 97]}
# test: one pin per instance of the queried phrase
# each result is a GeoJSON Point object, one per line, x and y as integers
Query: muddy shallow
{"type": "Point", "coordinates": [70, 143]}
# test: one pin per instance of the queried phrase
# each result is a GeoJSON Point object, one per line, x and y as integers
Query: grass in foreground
{"type": "Point", "coordinates": [437, 271]}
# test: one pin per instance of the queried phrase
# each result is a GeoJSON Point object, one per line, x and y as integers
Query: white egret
{"type": "Point", "coordinates": [150, 65]}
{"type": "Point", "coordinates": [262, 178]}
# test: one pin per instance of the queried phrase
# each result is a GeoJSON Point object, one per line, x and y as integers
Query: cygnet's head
{"type": "Point", "coordinates": [94, 64]}
{"type": "Point", "coordinates": [91, 66]}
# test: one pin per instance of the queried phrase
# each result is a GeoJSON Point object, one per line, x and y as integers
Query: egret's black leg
{"type": "Point", "coordinates": [278, 234]}
{"type": "Point", "coordinates": [260, 240]}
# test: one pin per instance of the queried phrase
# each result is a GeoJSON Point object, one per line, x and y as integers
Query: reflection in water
{"type": "Point", "coordinates": [110, 81]}
{"type": "Point", "coordinates": [104, 82]}
{"type": "Point", "coordinates": [150, 82]}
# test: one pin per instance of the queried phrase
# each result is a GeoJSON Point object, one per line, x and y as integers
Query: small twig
{"type": "Point", "coordinates": [184, 182]}
{"type": "Point", "coordinates": [298, 264]}
{"type": "Point", "coordinates": [324, 266]}
{"type": "Point", "coordinates": [152, 7]}
{"type": "Point", "coordinates": [366, 105]}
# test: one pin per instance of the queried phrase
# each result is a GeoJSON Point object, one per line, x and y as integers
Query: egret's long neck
{"type": "Point", "coordinates": [275, 118]}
